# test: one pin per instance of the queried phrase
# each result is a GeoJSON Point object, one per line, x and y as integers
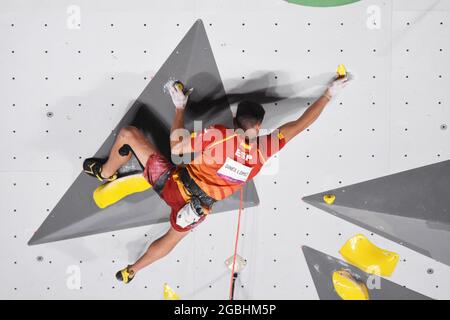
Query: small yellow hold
{"type": "Point", "coordinates": [111, 192]}
{"type": "Point", "coordinates": [169, 294]}
{"type": "Point", "coordinates": [179, 85]}
{"type": "Point", "coordinates": [362, 253]}
{"type": "Point", "coordinates": [341, 70]}
{"type": "Point", "coordinates": [348, 288]}
{"type": "Point", "coordinates": [329, 198]}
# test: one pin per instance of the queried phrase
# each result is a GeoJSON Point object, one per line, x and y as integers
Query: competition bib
{"type": "Point", "coordinates": [234, 171]}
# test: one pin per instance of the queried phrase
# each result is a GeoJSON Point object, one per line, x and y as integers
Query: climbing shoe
{"type": "Point", "coordinates": [93, 167]}
{"type": "Point", "coordinates": [125, 275]}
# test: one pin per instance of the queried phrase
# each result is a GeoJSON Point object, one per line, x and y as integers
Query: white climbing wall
{"type": "Point", "coordinates": [69, 71]}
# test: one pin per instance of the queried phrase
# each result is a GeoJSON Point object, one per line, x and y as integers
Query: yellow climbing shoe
{"type": "Point", "coordinates": [93, 167]}
{"type": "Point", "coordinates": [362, 253]}
{"type": "Point", "coordinates": [169, 294]}
{"type": "Point", "coordinates": [348, 288]}
{"type": "Point", "coordinates": [125, 275]}
{"type": "Point", "coordinates": [111, 192]}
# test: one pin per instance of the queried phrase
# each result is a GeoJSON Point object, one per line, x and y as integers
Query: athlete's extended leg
{"type": "Point", "coordinates": [157, 250]}
{"type": "Point", "coordinates": [133, 137]}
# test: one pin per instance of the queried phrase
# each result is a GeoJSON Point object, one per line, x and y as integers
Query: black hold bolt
{"type": "Point", "coordinates": [125, 150]}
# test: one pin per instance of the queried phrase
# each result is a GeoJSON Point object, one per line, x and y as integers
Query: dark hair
{"type": "Point", "coordinates": [249, 114]}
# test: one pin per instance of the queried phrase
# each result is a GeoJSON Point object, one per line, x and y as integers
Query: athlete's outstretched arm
{"type": "Point", "coordinates": [290, 129]}
{"type": "Point", "coordinates": [180, 141]}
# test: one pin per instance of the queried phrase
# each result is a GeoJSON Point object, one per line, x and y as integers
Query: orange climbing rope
{"type": "Point", "coordinates": [236, 244]}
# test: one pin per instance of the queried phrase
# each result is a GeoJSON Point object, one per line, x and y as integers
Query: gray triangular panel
{"type": "Point", "coordinates": [321, 266]}
{"type": "Point", "coordinates": [193, 63]}
{"type": "Point", "coordinates": [410, 207]}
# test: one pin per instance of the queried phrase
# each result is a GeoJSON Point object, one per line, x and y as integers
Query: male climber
{"type": "Point", "coordinates": [226, 158]}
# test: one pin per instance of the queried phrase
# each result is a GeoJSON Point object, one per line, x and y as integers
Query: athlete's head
{"type": "Point", "coordinates": [249, 117]}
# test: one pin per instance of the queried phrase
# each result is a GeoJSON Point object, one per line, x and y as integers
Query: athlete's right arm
{"type": "Point", "coordinates": [290, 129]}
{"type": "Point", "coordinates": [180, 141]}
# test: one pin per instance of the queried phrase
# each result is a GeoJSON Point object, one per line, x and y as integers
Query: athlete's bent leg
{"type": "Point", "coordinates": [158, 249]}
{"type": "Point", "coordinates": [132, 136]}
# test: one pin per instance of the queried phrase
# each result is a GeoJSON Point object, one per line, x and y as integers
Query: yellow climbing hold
{"type": "Point", "coordinates": [362, 253]}
{"type": "Point", "coordinates": [111, 192]}
{"type": "Point", "coordinates": [348, 288]}
{"type": "Point", "coordinates": [179, 85]}
{"type": "Point", "coordinates": [329, 198]}
{"type": "Point", "coordinates": [169, 294]}
{"type": "Point", "coordinates": [341, 70]}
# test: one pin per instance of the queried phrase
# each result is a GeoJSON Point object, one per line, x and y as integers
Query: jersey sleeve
{"type": "Point", "coordinates": [270, 144]}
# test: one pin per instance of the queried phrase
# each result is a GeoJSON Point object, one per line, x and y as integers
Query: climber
{"type": "Point", "coordinates": [226, 159]}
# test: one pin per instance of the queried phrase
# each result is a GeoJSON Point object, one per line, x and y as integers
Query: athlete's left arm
{"type": "Point", "coordinates": [290, 129]}
{"type": "Point", "coordinates": [180, 140]}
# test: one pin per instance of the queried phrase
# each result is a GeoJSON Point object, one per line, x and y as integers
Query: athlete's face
{"type": "Point", "coordinates": [253, 132]}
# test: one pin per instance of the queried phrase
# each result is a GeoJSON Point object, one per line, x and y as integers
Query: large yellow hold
{"type": "Point", "coordinates": [111, 192]}
{"type": "Point", "coordinates": [169, 294]}
{"type": "Point", "coordinates": [362, 253]}
{"type": "Point", "coordinates": [348, 288]}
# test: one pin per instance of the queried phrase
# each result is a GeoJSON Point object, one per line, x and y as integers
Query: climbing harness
{"type": "Point", "coordinates": [194, 189]}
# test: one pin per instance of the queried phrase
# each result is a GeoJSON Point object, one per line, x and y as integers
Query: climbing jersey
{"type": "Point", "coordinates": [225, 161]}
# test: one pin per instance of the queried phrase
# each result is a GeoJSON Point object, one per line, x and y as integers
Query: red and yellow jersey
{"type": "Point", "coordinates": [226, 162]}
